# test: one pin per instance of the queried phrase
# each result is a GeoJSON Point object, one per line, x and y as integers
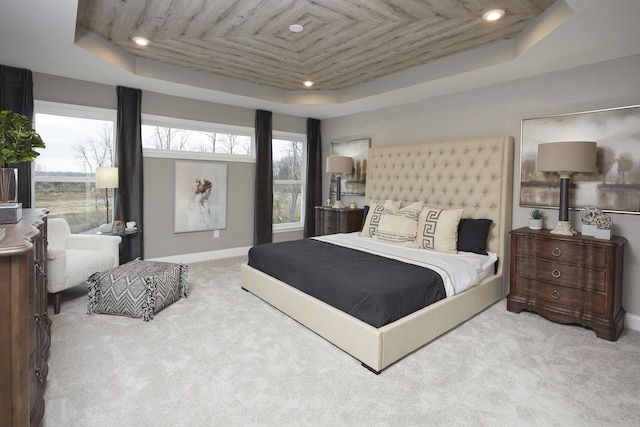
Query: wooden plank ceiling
{"type": "Point", "coordinates": [344, 42]}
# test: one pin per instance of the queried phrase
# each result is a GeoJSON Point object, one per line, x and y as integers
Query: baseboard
{"type": "Point", "coordinates": [204, 256]}
{"type": "Point", "coordinates": [632, 321]}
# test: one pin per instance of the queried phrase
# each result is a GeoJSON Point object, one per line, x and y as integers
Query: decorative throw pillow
{"type": "Point", "coordinates": [438, 229]}
{"type": "Point", "coordinates": [400, 226]}
{"type": "Point", "coordinates": [372, 220]}
{"type": "Point", "coordinates": [137, 289]}
{"type": "Point", "coordinates": [364, 216]}
{"type": "Point", "coordinates": [472, 235]}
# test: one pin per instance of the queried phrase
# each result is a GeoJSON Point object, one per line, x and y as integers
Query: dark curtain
{"type": "Point", "coordinates": [314, 176]}
{"type": "Point", "coordinates": [263, 198]}
{"type": "Point", "coordinates": [16, 94]}
{"type": "Point", "coordinates": [128, 197]}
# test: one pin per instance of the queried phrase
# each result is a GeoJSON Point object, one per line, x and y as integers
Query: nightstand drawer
{"type": "Point", "coordinates": [564, 274]}
{"type": "Point", "coordinates": [568, 298]}
{"type": "Point", "coordinates": [576, 253]}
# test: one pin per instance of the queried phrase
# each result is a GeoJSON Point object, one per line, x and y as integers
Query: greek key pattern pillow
{"type": "Point", "coordinates": [137, 289]}
{"type": "Point", "coordinates": [438, 229]}
{"type": "Point", "coordinates": [372, 222]}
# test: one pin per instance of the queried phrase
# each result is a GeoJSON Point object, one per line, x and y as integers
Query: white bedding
{"type": "Point", "coordinates": [458, 271]}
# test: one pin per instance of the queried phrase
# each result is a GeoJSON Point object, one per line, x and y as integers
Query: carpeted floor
{"type": "Point", "coordinates": [223, 357]}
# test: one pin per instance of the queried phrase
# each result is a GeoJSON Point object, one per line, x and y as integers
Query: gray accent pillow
{"type": "Point", "coordinates": [137, 289]}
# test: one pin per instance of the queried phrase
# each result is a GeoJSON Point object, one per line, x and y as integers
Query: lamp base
{"type": "Point", "coordinates": [564, 229]}
{"type": "Point", "coordinates": [338, 204]}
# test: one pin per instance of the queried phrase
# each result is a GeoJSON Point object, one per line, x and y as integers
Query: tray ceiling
{"type": "Point", "coordinates": [343, 43]}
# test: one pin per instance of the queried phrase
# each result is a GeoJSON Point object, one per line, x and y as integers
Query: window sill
{"type": "Point", "coordinates": [286, 228]}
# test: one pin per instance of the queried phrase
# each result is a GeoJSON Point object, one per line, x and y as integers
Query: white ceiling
{"type": "Point", "coordinates": [41, 35]}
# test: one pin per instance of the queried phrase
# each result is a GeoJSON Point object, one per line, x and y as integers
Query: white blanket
{"type": "Point", "coordinates": [458, 271]}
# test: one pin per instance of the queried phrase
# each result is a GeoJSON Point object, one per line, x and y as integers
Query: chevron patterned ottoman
{"type": "Point", "coordinates": [137, 289]}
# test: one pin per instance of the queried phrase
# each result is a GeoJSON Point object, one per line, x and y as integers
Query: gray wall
{"type": "Point", "coordinates": [159, 239]}
{"type": "Point", "coordinates": [498, 110]}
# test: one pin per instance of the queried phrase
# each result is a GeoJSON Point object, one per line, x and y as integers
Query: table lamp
{"type": "Point", "coordinates": [565, 158]}
{"type": "Point", "coordinates": [107, 177]}
{"type": "Point", "coordinates": [339, 165]}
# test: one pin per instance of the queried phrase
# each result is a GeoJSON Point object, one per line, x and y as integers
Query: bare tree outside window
{"type": "Point", "coordinates": [65, 172]}
{"type": "Point", "coordinates": [287, 181]}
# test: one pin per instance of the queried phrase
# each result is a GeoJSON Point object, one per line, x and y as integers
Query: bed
{"type": "Point", "coordinates": [476, 174]}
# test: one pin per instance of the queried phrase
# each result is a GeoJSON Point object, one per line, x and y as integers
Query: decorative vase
{"type": "Point", "coordinates": [8, 185]}
{"type": "Point", "coordinates": [535, 224]}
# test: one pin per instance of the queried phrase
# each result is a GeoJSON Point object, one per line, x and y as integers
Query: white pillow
{"type": "Point", "coordinates": [400, 226]}
{"type": "Point", "coordinates": [438, 229]}
{"type": "Point", "coordinates": [372, 222]}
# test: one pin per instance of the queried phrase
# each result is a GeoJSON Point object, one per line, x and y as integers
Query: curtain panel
{"type": "Point", "coordinates": [16, 94]}
{"type": "Point", "coordinates": [263, 197]}
{"type": "Point", "coordinates": [129, 195]}
{"type": "Point", "coordinates": [314, 176]}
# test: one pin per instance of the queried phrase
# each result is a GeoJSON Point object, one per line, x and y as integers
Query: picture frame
{"type": "Point", "coordinates": [200, 196]}
{"type": "Point", "coordinates": [352, 184]}
{"type": "Point", "coordinates": [614, 187]}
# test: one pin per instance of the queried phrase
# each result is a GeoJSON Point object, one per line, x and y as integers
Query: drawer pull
{"type": "Point", "coordinates": [555, 295]}
{"type": "Point", "coordinates": [556, 252]}
{"type": "Point", "coordinates": [556, 273]}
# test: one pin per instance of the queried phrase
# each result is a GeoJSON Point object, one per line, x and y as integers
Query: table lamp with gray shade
{"type": "Point", "coordinates": [107, 177]}
{"type": "Point", "coordinates": [565, 158]}
{"type": "Point", "coordinates": [339, 165]}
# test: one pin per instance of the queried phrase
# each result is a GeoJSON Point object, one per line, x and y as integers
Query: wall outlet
{"type": "Point", "coordinates": [216, 234]}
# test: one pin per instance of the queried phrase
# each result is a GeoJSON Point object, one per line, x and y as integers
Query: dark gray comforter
{"type": "Point", "coordinates": [369, 287]}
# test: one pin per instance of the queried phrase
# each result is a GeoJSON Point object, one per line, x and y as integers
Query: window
{"type": "Point", "coordinates": [78, 139]}
{"type": "Point", "coordinates": [289, 177]}
{"type": "Point", "coordinates": [179, 138]}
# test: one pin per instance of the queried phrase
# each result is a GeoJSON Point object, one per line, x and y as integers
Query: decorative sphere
{"type": "Point", "coordinates": [603, 222]}
{"type": "Point", "coordinates": [588, 214]}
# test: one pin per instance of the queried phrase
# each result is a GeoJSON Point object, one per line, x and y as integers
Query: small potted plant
{"type": "Point", "coordinates": [535, 220]}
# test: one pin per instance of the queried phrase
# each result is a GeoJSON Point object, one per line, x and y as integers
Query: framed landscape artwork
{"type": "Point", "coordinates": [358, 149]}
{"type": "Point", "coordinates": [614, 187]}
{"type": "Point", "coordinates": [200, 196]}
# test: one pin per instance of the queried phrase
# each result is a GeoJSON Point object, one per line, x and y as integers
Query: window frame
{"type": "Point", "coordinates": [297, 137]}
{"type": "Point", "coordinates": [199, 126]}
{"type": "Point", "coordinates": [74, 111]}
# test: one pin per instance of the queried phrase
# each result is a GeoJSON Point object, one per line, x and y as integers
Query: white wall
{"type": "Point", "coordinates": [498, 110]}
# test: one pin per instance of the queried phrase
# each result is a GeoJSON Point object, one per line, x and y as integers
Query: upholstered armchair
{"type": "Point", "coordinates": [72, 258]}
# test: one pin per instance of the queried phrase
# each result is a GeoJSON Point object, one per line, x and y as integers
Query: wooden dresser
{"type": "Point", "coordinates": [568, 279]}
{"type": "Point", "coordinates": [331, 220]}
{"type": "Point", "coordinates": [24, 323]}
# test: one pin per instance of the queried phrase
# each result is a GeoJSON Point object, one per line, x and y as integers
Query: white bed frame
{"type": "Point", "coordinates": [476, 174]}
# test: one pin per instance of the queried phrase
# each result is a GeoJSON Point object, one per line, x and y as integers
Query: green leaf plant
{"type": "Point", "coordinates": [17, 139]}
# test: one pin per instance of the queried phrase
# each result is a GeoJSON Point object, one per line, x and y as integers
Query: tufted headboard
{"type": "Point", "coordinates": [475, 173]}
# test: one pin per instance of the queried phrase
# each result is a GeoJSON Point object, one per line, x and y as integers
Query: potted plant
{"type": "Point", "coordinates": [535, 220]}
{"type": "Point", "coordinates": [17, 144]}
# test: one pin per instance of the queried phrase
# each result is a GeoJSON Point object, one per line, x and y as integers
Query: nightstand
{"type": "Point", "coordinates": [568, 279]}
{"type": "Point", "coordinates": [331, 220]}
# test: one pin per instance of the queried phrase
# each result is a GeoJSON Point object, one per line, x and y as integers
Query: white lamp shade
{"type": "Point", "coordinates": [339, 164]}
{"type": "Point", "coordinates": [106, 177]}
{"type": "Point", "coordinates": [569, 156]}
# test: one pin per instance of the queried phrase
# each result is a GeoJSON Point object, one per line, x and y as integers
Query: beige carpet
{"type": "Point", "coordinates": [223, 357]}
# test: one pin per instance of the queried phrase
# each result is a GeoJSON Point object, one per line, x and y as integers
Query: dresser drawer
{"type": "Point", "coordinates": [563, 274]}
{"type": "Point", "coordinates": [576, 253]}
{"type": "Point", "coordinates": [562, 296]}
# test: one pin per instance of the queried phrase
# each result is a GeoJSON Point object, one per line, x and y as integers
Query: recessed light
{"type": "Point", "coordinates": [307, 83]}
{"type": "Point", "coordinates": [493, 15]}
{"type": "Point", "coordinates": [141, 41]}
{"type": "Point", "coordinates": [296, 28]}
